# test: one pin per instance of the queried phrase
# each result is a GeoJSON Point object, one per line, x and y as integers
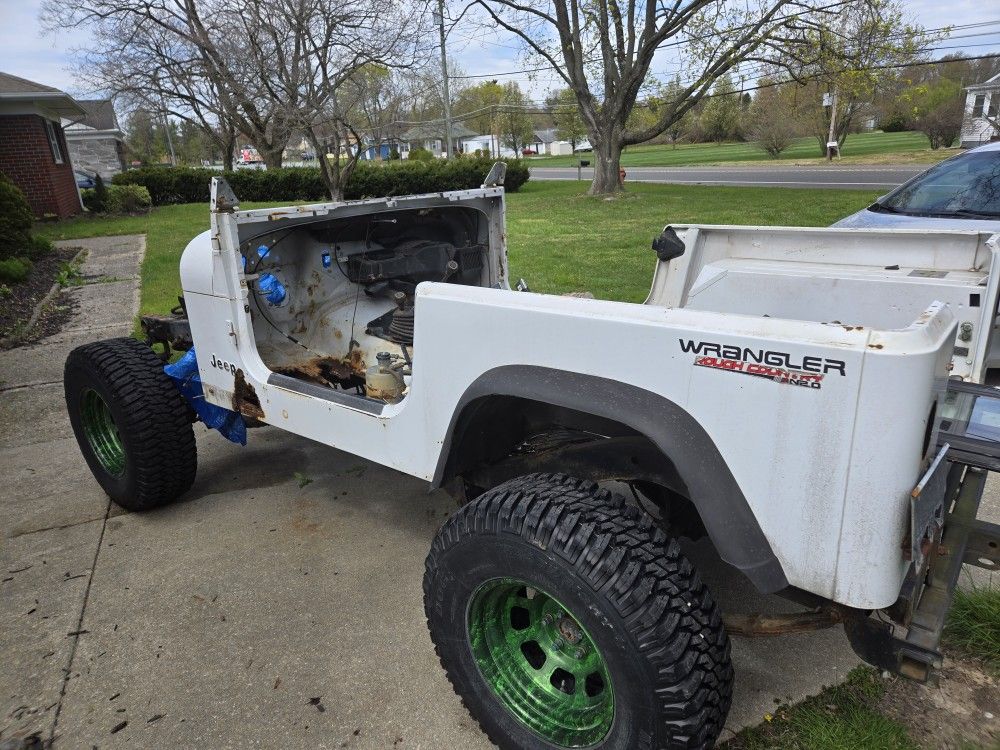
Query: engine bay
{"type": "Point", "coordinates": [332, 301]}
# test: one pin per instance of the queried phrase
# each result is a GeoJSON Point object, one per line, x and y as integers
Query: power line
{"type": "Point", "coordinates": [535, 108]}
{"type": "Point", "coordinates": [678, 43]}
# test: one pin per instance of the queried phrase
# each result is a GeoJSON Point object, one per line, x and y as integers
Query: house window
{"type": "Point", "coordinates": [977, 107]}
{"type": "Point", "coordinates": [994, 102]}
{"type": "Point", "coordinates": [54, 142]}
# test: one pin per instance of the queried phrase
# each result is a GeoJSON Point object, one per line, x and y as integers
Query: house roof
{"type": "Point", "coordinates": [546, 136]}
{"type": "Point", "coordinates": [428, 131]}
{"type": "Point", "coordinates": [100, 114]}
{"type": "Point", "coordinates": [990, 84]}
{"type": "Point", "coordinates": [16, 89]}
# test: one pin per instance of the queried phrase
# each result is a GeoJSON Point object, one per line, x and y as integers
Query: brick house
{"type": "Point", "coordinates": [33, 150]}
{"type": "Point", "coordinates": [96, 143]}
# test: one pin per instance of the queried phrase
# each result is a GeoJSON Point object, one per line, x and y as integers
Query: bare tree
{"type": "Point", "coordinates": [603, 51]}
{"type": "Point", "coordinates": [377, 94]}
{"type": "Point", "coordinates": [772, 124]}
{"type": "Point", "coordinates": [274, 66]}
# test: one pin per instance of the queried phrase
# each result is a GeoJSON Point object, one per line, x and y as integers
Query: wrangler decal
{"type": "Point", "coordinates": [780, 367]}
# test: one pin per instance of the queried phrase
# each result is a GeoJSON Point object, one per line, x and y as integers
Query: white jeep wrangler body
{"type": "Point", "coordinates": [789, 374]}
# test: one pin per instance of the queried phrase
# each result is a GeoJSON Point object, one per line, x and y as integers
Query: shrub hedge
{"type": "Point", "coordinates": [118, 199]}
{"type": "Point", "coordinates": [16, 240]}
{"type": "Point", "coordinates": [15, 219]}
{"type": "Point", "coordinates": [369, 180]}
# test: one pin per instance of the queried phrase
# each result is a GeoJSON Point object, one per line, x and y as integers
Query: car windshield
{"type": "Point", "coordinates": [966, 186]}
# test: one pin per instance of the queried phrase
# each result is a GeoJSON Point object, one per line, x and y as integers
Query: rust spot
{"type": "Point", "coordinates": [323, 370]}
{"type": "Point", "coordinates": [356, 361]}
{"type": "Point", "coordinates": [337, 333]}
{"type": "Point", "coordinates": [875, 346]}
{"type": "Point", "coordinates": [245, 400]}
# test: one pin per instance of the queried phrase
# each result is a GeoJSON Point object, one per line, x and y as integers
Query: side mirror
{"type": "Point", "coordinates": [668, 245]}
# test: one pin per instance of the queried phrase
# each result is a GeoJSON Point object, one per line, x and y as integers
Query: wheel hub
{"type": "Point", "coordinates": [570, 630]}
{"type": "Point", "coordinates": [102, 433]}
{"type": "Point", "coordinates": [540, 663]}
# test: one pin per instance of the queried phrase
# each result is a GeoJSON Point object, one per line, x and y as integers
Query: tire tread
{"type": "Point", "coordinates": [163, 453]}
{"type": "Point", "coordinates": [672, 619]}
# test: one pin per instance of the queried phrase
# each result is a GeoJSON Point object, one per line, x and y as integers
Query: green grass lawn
{"type": "Point", "coordinates": [843, 717]}
{"type": "Point", "coordinates": [560, 240]}
{"type": "Point", "coordinates": [867, 147]}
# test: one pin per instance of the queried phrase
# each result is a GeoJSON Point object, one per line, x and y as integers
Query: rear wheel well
{"type": "Point", "coordinates": [498, 437]}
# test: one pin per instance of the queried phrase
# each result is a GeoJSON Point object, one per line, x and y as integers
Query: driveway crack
{"type": "Point", "coordinates": [78, 631]}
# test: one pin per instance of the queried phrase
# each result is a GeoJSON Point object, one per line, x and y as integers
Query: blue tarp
{"type": "Point", "coordinates": [184, 372]}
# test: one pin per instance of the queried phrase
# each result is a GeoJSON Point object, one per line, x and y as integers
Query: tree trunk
{"type": "Point", "coordinates": [228, 147]}
{"type": "Point", "coordinates": [272, 157]}
{"type": "Point", "coordinates": [607, 162]}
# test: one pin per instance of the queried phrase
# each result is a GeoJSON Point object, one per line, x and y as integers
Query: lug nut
{"type": "Point", "coordinates": [557, 644]}
{"type": "Point", "coordinates": [580, 652]}
{"type": "Point", "coordinates": [548, 619]}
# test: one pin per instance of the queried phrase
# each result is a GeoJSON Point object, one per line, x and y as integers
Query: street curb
{"type": "Point", "coordinates": [36, 313]}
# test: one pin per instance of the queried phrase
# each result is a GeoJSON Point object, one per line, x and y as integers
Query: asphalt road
{"type": "Point", "coordinates": [861, 178]}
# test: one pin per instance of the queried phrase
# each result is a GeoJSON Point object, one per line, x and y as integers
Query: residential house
{"type": "Point", "coordinates": [33, 150]}
{"type": "Point", "coordinates": [547, 142]}
{"type": "Point", "coordinates": [96, 143]}
{"type": "Point", "coordinates": [982, 105]}
{"type": "Point", "coordinates": [432, 137]}
{"type": "Point", "coordinates": [487, 143]}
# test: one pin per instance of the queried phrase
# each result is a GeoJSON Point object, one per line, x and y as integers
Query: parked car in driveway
{"type": "Point", "coordinates": [960, 193]}
{"type": "Point", "coordinates": [84, 180]}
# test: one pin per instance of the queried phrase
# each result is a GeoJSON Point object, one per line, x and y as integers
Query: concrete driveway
{"type": "Point", "coordinates": [255, 613]}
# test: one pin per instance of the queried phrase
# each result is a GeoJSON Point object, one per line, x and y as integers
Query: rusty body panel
{"type": "Point", "coordinates": [245, 399]}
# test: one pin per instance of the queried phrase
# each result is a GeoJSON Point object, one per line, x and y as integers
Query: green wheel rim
{"type": "Point", "coordinates": [541, 663]}
{"type": "Point", "coordinates": [102, 434]}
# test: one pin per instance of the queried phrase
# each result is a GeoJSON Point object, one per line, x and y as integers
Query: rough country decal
{"type": "Point", "coordinates": [780, 367]}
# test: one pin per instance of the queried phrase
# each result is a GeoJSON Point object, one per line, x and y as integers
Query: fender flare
{"type": "Point", "coordinates": [720, 502]}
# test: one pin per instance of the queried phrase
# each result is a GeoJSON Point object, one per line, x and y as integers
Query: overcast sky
{"type": "Point", "coordinates": [49, 59]}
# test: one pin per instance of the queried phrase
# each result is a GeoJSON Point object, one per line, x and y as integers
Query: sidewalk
{"type": "Point", "coordinates": [255, 613]}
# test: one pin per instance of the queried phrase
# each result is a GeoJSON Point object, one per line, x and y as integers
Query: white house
{"type": "Point", "coordinates": [488, 143]}
{"type": "Point", "coordinates": [982, 102]}
{"type": "Point", "coordinates": [547, 142]}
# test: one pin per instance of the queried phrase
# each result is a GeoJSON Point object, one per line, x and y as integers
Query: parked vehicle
{"type": "Point", "coordinates": [583, 146]}
{"type": "Point", "coordinates": [787, 392]}
{"type": "Point", "coordinates": [84, 180]}
{"type": "Point", "coordinates": [962, 192]}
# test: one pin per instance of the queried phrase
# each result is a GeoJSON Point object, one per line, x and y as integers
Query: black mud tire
{"type": "Point", "coordinates": [151, 417]}
{"type": "Point", "coordinates": [645, 607]}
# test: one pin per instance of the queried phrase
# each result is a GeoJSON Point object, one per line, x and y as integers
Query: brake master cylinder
{"type": "Point", "coordinates": [384, 382]}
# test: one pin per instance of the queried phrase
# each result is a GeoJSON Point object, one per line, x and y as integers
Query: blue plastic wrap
{"type": "Point", "coordinates": [184, 372]}
{"type": "Point", "coordinates": [272, 289]}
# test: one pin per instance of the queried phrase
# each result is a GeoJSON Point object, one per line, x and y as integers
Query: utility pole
{"type": "Point", "coordinates": [832, 143]}
{"type": "Point", "coordinates": [170, 140]}
{"type": "Point", "coordinates": [444, 77]}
